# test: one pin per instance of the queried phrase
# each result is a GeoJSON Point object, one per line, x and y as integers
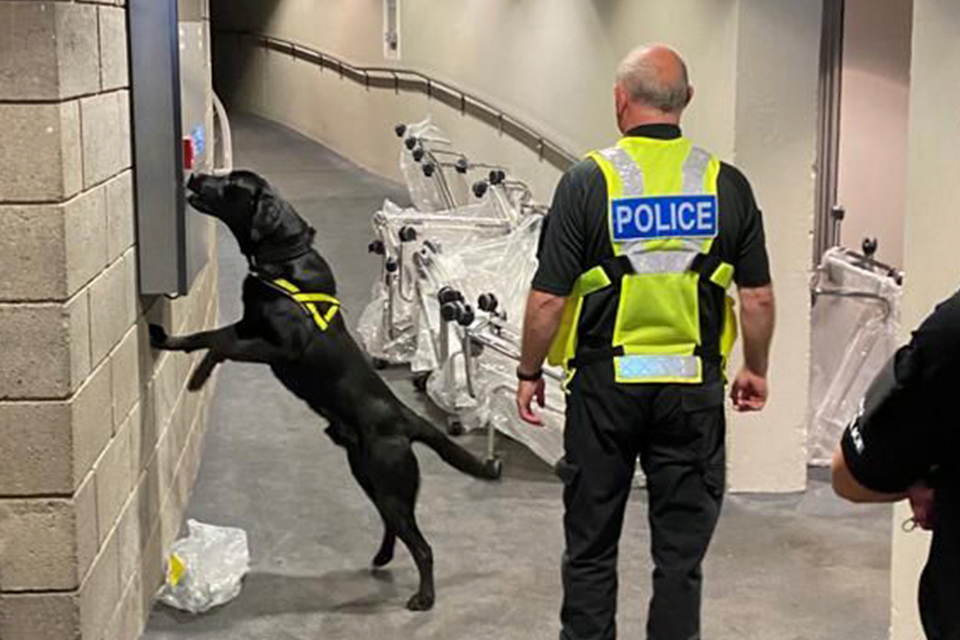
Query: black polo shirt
{"type": "Point", "coordinates": [576, 238]}
{"type": "Point", "coordinates": [907, 431]}
{"type": "Point", "coordinates": [910, 425]}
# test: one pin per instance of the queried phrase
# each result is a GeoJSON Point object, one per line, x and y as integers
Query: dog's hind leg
{"type": "Point", "coordinates": [387, 545]}
{"type": "Point", "coordinates": [402, 517]}
{"type": "Point", "coordinates": [357, 467]}
{"type": "Point", "coordinates": [396, 480]}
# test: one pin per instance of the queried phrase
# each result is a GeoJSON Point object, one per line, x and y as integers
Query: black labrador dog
{"type": "Point", "coordinates": [291, 322]}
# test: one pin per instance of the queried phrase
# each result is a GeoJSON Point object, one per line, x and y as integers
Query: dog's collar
{"type": "Point", "coordinates": [307, 301]}
{"type": "Point", "coordinates": [288, 250]}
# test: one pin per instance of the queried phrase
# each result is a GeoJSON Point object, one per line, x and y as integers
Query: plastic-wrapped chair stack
{"type": "Point", "coordinates": [855, 322]}
{"type": "Point", "coordinates": [456, 271]}
{"type": "Point", "coordinates": [443, 219]}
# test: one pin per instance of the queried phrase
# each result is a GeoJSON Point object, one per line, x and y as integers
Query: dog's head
{"type": "Point", "coordinates": [247, 204]}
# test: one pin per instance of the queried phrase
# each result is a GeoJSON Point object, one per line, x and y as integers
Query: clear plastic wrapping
{"type": "Point", "coordinates": [205, 569]}
{"type": "Point", "coordinates": [424, 192]}
{"type": "Point", "coordinates": [390, 327]}
{"type": "Point", "coordinates": [854, 330]}
{"type": "Point", "coordinates": [386, 330]}
{"type": "Point", "coordinates": [475, 242]}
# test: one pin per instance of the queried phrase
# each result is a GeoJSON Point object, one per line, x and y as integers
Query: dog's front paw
{"type": "Point", "coordinates": [158, 336]}
{"type": "Point", "coordinates": [420, 602]}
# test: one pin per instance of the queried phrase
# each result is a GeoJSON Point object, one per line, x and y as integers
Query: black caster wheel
{"type": "Point", "coordinates": [380, 364]}
{"type": "Point", "coordinates": [411, 142]}
{"type": "Point", "coordinates": [407, 234]}
{"type": "Point", "coordinates": [455, 428]}
{"type": "Point", "coordinates": [449, 311]}
{"type": "Point", "coordinates": [488, 302]}
{"type": "Point", "coordinates": [400, 129]}
{"type": "Point", "coordinates": [466, 315]}
{"type": "Point", "coordinates": [480, 188]}
{"type": "Point", "coordinates": [494, 468]}
{"type": "Point", "coordinates": [418, 154]}
{"type": "Point", "coordinates": [449, 294]}
{"type": "Point", "coordinates": [420, 382]}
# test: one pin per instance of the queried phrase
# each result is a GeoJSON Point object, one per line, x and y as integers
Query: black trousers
{"type": "Point", "coordinates": [678, 433]}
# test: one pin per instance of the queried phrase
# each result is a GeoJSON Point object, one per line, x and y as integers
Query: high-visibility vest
{"type": "Point", "coordinates": [663, 218]}
{"type": "Point", "coordinates": [308, 301]}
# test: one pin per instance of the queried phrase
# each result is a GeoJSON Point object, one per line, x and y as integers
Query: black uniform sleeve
{"type": "Point", "coordinates": [563, 239]}
{"type": "Point", "coordinates": [884, 445]}
{"type": "Point", "coordinates": [902, 432]}
{"type": "Point", "coordinates": [750, 255]}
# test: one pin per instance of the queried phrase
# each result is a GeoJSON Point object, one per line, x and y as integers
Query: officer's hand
{"type": "Point", "coordinates": [526, 392]}
{"type": "Point", "coordinates": [921, 501]}
{"type": "Point", "coordinates": [749, 391]}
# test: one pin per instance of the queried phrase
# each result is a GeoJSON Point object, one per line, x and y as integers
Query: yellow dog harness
{"type": "Point", "coordinates": [308, 301]}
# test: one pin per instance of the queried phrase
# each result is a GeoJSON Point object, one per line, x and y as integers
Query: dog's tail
{"type": "Point", "coordinates": [452, 453]}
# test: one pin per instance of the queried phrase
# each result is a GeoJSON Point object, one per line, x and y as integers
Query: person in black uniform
{"type": "Point", "coordinates": [677, 430]}
{"type": "Point", "coordinates": [903, 444]}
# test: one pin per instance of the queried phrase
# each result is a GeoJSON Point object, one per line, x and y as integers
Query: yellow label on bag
{"type": "Point", "coordinates": [175, 570]}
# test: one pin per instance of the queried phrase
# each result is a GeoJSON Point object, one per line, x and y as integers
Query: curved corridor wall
{"type": "Point", "coordinates": [550, 63]}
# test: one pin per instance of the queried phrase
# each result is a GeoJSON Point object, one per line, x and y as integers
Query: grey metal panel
{"type": "Point", "coordinates": [157, 132]}
{"type": "Point", "coordinates": [196, 110]}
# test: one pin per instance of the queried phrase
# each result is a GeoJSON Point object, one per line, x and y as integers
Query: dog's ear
{"type": "Point", "coordinates": [266, 218]}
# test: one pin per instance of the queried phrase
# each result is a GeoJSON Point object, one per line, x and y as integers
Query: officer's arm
{"type": "Point", "coordinates": [847, 487]}
{"type": "Point", "coordinates": [757, 315]}
{"type": "Point", "coordinates": [543, 317]}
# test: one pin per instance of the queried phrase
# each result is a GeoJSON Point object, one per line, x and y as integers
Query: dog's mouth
{"type": "Point", "coordinates": [203, 193]}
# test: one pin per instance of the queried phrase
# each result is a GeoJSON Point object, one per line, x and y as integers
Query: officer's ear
{"type": "Point", "coordinates": [621, 103]}
{"type": "Point", "coordinates": [689, 96]}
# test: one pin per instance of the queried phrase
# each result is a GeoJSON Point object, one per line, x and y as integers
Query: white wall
{"type": "Point", "coordinates": [775, 144]}
{"type": "Point", "coordinates": [873, 123]}
{"type": "Point", "coordinates": [932, 224]}
{"type": "Point", "coordinates": [551, 63]}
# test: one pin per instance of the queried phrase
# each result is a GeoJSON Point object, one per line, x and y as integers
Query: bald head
{"type": "Point", "coordinates": [655, 77]}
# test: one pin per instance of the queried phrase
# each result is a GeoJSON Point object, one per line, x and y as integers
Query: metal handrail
{"type": "Point", "coordinates": [411, 80]}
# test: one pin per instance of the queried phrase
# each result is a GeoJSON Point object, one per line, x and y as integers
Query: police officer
{"type": "Point", "coordinates": [641, 244]}
{"type": "Point", "coordinates": [905, 444]}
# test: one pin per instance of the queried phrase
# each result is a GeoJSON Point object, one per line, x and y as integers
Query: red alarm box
{"type": "Point", "coordinates": [188, 153]}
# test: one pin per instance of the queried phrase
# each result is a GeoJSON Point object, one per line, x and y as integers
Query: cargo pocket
{"type": "Point", "coordinates": [568, 474]}
{"type": "Point", "coordinates": [703, 408]}
{"type": "Point", "coordinates": [566, 471]}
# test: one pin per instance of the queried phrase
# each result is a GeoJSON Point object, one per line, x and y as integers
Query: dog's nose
{"type": "Point", "coordinates": [195, 183]}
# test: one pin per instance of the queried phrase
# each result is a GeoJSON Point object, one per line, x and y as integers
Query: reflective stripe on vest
{"type": "Point", "coordinates": [660, 368]}
{"type": "Point", "coordinates": [308, 301]}
{"type": "Point", "coordinates": [662, 216]}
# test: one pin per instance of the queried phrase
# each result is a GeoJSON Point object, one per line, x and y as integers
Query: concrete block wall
{"type": "Point", "coordinates": [99, 441]}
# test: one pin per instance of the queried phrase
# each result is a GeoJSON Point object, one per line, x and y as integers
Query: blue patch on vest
{"type": "Point", "coordinates": [650, 217]}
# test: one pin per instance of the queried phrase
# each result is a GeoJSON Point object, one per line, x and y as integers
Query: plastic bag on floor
{"type": "Point", "coordinates": [205, 569]}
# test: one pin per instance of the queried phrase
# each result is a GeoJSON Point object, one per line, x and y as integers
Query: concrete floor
{"type": "Point", "coordinates": [781, 568]}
